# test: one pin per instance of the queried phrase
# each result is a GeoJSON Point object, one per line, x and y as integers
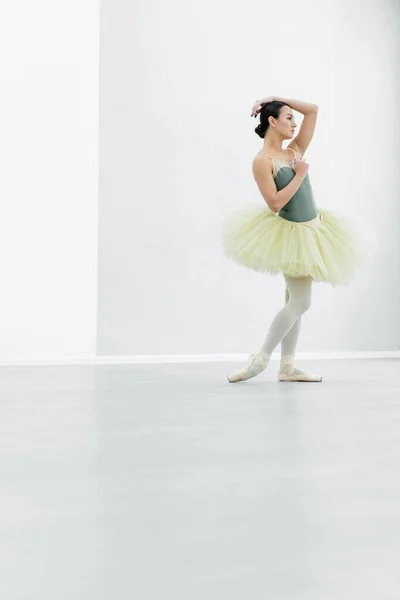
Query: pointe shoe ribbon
{"type": "Point", "coordinates": [261, 359]}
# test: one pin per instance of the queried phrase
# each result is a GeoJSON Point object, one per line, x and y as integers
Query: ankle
{"type": "Point", "coordinates": [287, 359]}
{"type": "Point", "coordinates": [263, 357]}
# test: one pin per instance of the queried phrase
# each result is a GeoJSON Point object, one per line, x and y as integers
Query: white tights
{"type": "Point", "coordinates": [285, 327]}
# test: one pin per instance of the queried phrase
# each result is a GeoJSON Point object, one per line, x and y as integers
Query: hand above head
{"type": "Point", "coordinates": [259, 104]}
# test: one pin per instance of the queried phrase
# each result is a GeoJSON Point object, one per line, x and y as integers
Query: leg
{"type": "Point", "coordinates": [299, 300]}
{"type": "Point", "coordinates": [289, 342]}
{"type": "Point", "coordinates": [287, 371]}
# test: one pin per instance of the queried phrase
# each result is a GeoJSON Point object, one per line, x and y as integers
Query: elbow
{"type": "Point", "coordinates": [274, 207]}
{"type": "Point", "coordinates": [274, 204]}
{"type": "Point", "coordinates": [313, 108]}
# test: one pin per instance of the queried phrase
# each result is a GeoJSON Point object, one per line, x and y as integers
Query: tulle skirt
{"type": "Point", "coordinates": [331, 248]}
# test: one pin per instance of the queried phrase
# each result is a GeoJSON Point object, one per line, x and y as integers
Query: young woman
{"type": "Point", "coordinates": [290, 235]}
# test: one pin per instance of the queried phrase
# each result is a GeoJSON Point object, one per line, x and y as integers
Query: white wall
{"type": "Point", "coordinates": [176, 144]}
{"type": "Point", "coordinates": [48, 183]}
{"type": "Point", "coordinates": [177, 84]}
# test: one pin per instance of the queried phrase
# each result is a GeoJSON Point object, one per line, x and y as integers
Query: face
{"type": "Point", "coordinates": [285, 126]}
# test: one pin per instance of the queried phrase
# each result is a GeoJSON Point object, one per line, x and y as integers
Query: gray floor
{"type": "Point", "coordinates": [166, 482]}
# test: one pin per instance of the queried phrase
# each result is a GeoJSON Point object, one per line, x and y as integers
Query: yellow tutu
{"type": "Point", "coordinates": [330, 248]}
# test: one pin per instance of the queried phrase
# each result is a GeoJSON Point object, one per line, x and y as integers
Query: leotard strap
{"type": "Point", "coordinates": [279, 160]}
{"type": "Point", "coordinates": [292, 151]}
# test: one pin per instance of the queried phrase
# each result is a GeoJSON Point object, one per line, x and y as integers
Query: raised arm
{"type": "Point", "coordinates": [307, 128]}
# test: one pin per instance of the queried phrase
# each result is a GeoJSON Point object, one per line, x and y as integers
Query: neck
{"type": "Point", "coordinates": [273, 143]}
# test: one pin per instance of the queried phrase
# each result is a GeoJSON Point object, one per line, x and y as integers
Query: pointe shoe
{"type": "Point", "coordinates": [301, 376]}
{"type": "Point", "coordinates": [256, 364]}
{"type": "Point", "coordinates": [287, 372]}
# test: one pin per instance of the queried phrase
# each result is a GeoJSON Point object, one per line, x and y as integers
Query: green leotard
{"type": "Point", "coordinates": [301, 207]}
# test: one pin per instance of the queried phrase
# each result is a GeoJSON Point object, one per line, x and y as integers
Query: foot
{"type": "Point", "coordinates": [288, 372]}
{"type": "Point", "coordinates": [256, 364]}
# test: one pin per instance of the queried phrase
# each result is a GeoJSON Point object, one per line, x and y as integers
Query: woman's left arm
{"type": "Point", "coordinates": [304, 108]}
{"type": "Point", "coordinates": [307, 128]}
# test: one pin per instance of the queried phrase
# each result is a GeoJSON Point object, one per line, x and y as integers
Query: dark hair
{"type": "Point", "coordinates": [271, 109]}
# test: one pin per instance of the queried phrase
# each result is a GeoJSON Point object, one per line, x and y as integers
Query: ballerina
{"type": "Point", "coordinates": [288, 234]}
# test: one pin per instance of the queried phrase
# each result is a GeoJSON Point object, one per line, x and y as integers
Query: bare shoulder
{"type": "Point", "coordinates": [261, 163]}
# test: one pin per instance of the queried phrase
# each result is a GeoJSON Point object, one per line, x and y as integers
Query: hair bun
{"type": "Point", "coordinates": [260, 130]}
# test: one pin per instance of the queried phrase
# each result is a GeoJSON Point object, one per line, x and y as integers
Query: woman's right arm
{"type": "Point", "coordinates": [263, 174]}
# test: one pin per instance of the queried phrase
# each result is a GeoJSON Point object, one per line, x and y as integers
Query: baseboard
{"type": "Point", "coordinates": [188, 358]}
